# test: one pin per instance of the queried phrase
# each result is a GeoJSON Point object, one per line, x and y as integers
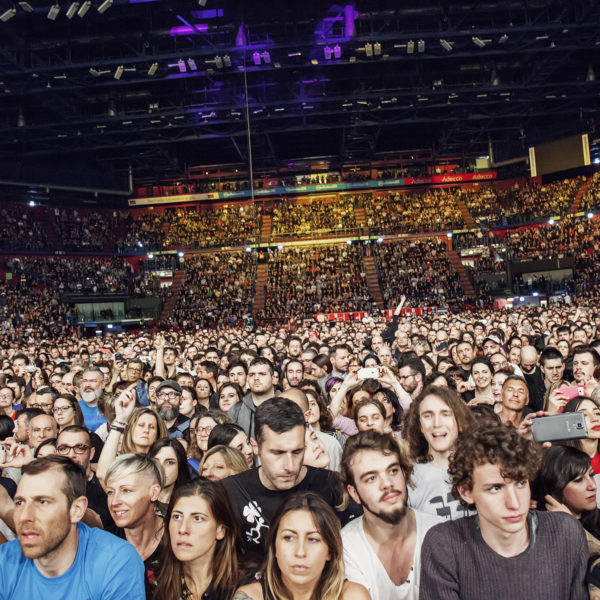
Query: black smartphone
{"type": "Point", "coordinates": [555, 428]}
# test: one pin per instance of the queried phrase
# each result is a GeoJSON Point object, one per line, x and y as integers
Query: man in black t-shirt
{"type": "Point", "coordinates": [74, 442]}
{"type": "Point", "coordinates": [257, 494]}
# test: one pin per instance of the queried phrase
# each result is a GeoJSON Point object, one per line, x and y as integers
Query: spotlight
{"type": "Point", "coordinates": [377, 48]}
{"type": "Point", "coordinates": [119, 72]}
{"type": "Point", "coordinates": [105, 6]}
{"type": "Point", "coordinates": [337, 51]}
{"type": "Point", "coordinates": [328, 52]}
{"type": "Point", "coordinates": [31, 203]}
{"type": "Point", "coordinates": [181, 65]}
{"type": "Point", "coordinates": [449, 235]}
{"type": "Point", "coordinates": [72, 10]}
{"type": "Point", "coordinates": [8, 14]}
{"type": "Point", "coordinates": [256, 58]}
{"type": "Point", "coordinates": [84, 8]}
{"type": "Point", "coordinates": [266, 57]}
{"type": "Point", "coordinates": [421, 46]}
{"type": "Point", "coordinates": [590, 215]}
{"type": "Point", "coordinates": [349, 242]}
{"type": "Point", "coordinates": [550, 221]}
{"type": "Point", "coordinates": [53, 12]}
{"type": "Point", "coordinates": [410, 47]}
{"type": "Point", "coordinates": [503, 39]}
{"type": "Point", "coordinates": [380, 240]}
{"type": "Point", "coordinates": [248, 249]}
{"type": "Point", "coordinates": [192, 64]}
{"type": "Point", "coordinates": [26, 6]}
{"type": "Point", "coordinates": [153, 68]}
{"type": "Point", "coordinates": [218, 62]}
{"type": "Point", "coordinates": [227, 60]}
{"type": "Point", "coordinates": [180, 254]}
{"type": "Point", "coordinates": [446, 45]}
{"type": "Point", "coordinates": [150, 255]}
{"type": "Point", "coordinates": [478, 41]}
{"type": "Point", "coordinates": [368, 50]}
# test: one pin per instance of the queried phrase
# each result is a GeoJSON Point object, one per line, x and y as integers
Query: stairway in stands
{"type": "Point", "coordinates": [45, 220]}
{"type": "Point", "coordinates": [580, 194]}
{"type": "Point", "coordinates": [465, 280]}
{"type": "Point", "coordinates": [176, 287]}
{"type": "Point", "coordinates": [259, 287]}
{"type": "Point", "coordinates": [361, 219]}
{"type": "Point", "coordinates": [466, 215]}
{"type": "Point", "coordinates": [373, 281]}
{"type": "Point", "coordinates": [265, 230]}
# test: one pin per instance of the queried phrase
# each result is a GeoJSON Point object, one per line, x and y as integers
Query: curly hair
{"type": "Point", "coordinates": [418, 446]}
{"type": "Point", "coordinates": [517, 457]}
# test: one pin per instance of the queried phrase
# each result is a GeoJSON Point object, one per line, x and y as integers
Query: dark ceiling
{"type": "Point", "coordinates": [79, 105]}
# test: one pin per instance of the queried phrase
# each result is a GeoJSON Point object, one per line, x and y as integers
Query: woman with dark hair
{"type": "Point", "coordinates": [189, 401]}
{"type": "Point", "coordinates": [172, 458]}
{"type": "Point", "coordinates": [7, 427]}
{"type": "Point", "coordinates": [393, 410]}
{"type": "Point", "coordinates": [565, 483]}
{"type": "Point", "coordinates": [199, 555]}
{"type": "Point", "coordinates": [304, 555]}
{"type": "Point", "coordinates": [204, 390]}
{"type": "Point", "coordinates": [482, 372]}
{"type": "Point", "coordinates": [591, 410]}
{"type": "Point", "coordinates": [229, 395]}
{"type": "Point", "coordinates": [200, 428]}
{"type": "Point", "coordinates": [46, 448]}
{"type": "Point", "coordinates": [232, 435]}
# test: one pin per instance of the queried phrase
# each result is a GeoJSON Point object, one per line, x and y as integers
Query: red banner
{"type": "Point", "coordinates": [453, 178]}
{"type": "Point", "coordinates": [360, 315]}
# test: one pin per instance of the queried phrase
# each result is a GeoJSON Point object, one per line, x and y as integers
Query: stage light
{"type": "Point", "coordinates": [153, 68]}
{"type": "Point", "coordinates": [53, 12]}
{"type": "Point", "coordinates": [410, 47]}
{"type": "Point", "coordinates": [192, 64]}
{"type": "Point", "coordinates": [446, 45]}
{"type": "Point", "coordinates": [105, 6]}
{"type": "Point", "coordinates": [478, 41]}
{"type": "Point", "coordinates": [337, 51]}
{"type": "Point", "coordinates": [26, 6]}
{"type": "Point", "coordinates": [8, 14]}
{"type": "Point", "coordinates": [84, 8]}
{"type": "Point", "coordinates": [119, 72]}
{"type": "Point", "coordinates": [72, 10]}
{"type": "Point", "coordinates": [421, 46]}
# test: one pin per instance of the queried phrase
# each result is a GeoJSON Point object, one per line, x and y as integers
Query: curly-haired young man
{"type": "Point", "coordinates": [506, 550]}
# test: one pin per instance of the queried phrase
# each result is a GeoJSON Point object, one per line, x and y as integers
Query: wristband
{"type": "Point", "coordinates": [120, 423]}
{"type": "Point", "coordinates": [115, 427]}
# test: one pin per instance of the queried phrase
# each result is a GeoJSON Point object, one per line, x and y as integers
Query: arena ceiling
{"type": "Point", "coordinates": [90, 89]}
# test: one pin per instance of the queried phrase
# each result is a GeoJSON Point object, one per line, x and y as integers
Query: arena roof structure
{"type": "Point", "coordinates": [93, 90]}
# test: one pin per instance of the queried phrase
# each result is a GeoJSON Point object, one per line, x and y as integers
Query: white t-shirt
{"type": "Point", "coordinates": [431, 492]}
{"type": "Point", "coordinates": [363, 565]}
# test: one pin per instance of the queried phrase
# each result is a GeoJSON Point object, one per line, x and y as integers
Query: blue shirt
{"type": "Point", "coordinates": [105, 568]}
{"type": "Point", "coordinates": [91, 416]}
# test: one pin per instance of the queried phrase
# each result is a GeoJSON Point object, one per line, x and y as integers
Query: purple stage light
{"type": "Point", "coordinates": [188, 29]}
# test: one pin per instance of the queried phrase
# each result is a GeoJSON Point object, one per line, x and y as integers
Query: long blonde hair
{"type": "Point", "coordinates": [331, 582]}
{"type": "Point", "coordinates": [140, 411]}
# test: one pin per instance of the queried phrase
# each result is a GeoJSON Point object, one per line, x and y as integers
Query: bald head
{"type": "Point", "coordinates": [529, 358]}
{"type": "Point", "coordinates": [297, 396]}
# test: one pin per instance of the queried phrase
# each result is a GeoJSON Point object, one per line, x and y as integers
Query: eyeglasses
{"type": "Point", "coordinates": [77, 448]}
{"type": "Point", "coordinates": [59, 410]}
{"type": "Point", "coordinates": [43, 406]}
{"type": "Point", "coordinates": [165, 395]}
{"type": "Point", "coordinates": [205, 430]}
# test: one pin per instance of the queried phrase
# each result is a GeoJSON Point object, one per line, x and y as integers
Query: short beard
{"type": "Point", "coordinates": [91, 396]}
{"type": "Point", "coordinates": [168, 414]}
{"type": "Point", "coordinates": [392, 518]}
{"type": "Point", "coordinates": [52, 542]}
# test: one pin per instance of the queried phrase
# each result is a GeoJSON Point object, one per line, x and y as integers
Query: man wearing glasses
{"type": "Point", "coordinates": [74, 442]}
{"type": "Point", "coordinates": [168, 399]}
{"type": "Point", "coordinates": [91, 387]}
{"type": "Point", "coordinates": [412, 377]}
{"type": "Point", "coordinates": [44, 398]}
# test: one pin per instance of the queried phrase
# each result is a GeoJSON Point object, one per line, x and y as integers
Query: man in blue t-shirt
{"type": "Point", "coordinates": [56, 556]}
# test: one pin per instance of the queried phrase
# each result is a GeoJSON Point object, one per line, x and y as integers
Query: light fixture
{"type": "Point", "coordinates": [421, 46]}
{"type": "Point", "coordinates": [26, 6]}
{"type": "Point", "coordinates": [591, 74]}
{"type": "Point", "coordinates": [119, 72]}
{"type": "Point", "coordinates": [53, 12]}
{"type": "Point", "coordinates": [181, 65]}
{"type": "Point", "coordinates": [84, 8]}
{"type": "Point", "coordinates": [180, 254]}
{"type": "Point", "coordinates": [327, 52]}
{"type": "Point", "coordinates": [256, 58]}
{"type": "Point", "coordinates": [20, 119]}
{"type": "Point", "coordinates": [266, 57]}
{"type": "Point", "coordinates": [218, 62]}
{"type": "Point", "coordinates": [105, 6]}
{"type": "Point", "coordinates": [590, 215]}
{"type": "Point", "coordinates": [446, 45]}
{"type": "Point", "coordinates": [494, 79]}
{"type": "Point", "coordinates": [337, 51]}
{"type": "Point", "coordinates": [368, 50]}
{"type": "Point", "coordinates": [478, 41]}
{"type": "Point", "coordinates": [202, 2]}
{"type": "Point", "coordinates": [112, 111]}
{"type": "Point", "coordinates": [410, 47]}
{"type": "Point", "coordinates": [153, 68]}
{"type": "Point", "coordinates": [192, 64]}
{"type": "Point", "coordinates": [503, 39]}
{"type": "Point", "coordinates": [72, 10]}
{"type": "Point", "coordinates": [377, 49]}
{"type": "Point", "coordinates": [8, 14]}
{"type": "Point", "coordinates": [227, 60]}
